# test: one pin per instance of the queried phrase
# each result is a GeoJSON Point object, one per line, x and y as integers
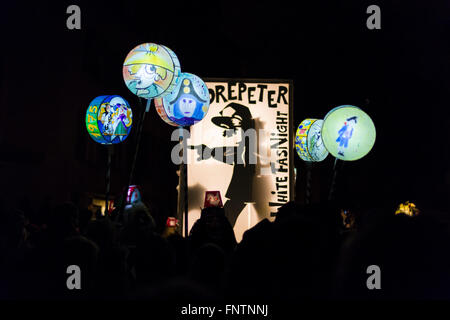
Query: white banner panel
{"type": "Point", "coordinates": [243, 148]}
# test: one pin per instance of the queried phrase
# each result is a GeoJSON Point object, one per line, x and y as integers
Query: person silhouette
{"type": "Point", "coordinates": [236, 119]}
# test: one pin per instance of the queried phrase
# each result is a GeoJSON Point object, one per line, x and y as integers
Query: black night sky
{"type": "Point", "coordinates": [399, 75]}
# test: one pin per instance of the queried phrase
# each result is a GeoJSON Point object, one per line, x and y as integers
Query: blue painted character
{"type": "Point", "coordinates": [188, 105]}
{"type": "Point", "coordinates": [345, 133]}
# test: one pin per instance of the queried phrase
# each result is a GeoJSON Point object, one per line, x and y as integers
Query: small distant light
{"type": "Point", "coordinates": [172, 222]}
{"type": "Point", "coordinates": [407, 208]}
{"type": "Point", "coordinates": [133, 194]}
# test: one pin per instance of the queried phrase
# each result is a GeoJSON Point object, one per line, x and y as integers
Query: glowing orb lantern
{"type": "Point", "coordinates": [109, 119]}
{"type": "Point", "coordinates": [187, 104]}
{"type": "Point", "coordinates": [308, 141]}
{"type": "Point", "coordinates": [151, 70]}
{"type": "Point", "coordinates": [348, 133]}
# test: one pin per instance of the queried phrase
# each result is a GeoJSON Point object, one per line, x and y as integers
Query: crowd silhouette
{"type": "Point", "coordinates": [309, 252]}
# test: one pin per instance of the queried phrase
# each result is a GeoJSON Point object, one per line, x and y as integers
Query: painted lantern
{"type": "Point", "coordinates": [109, 119]}
{"type": "Point", "coordinates": [133, 194]}
{"type": "Point", "coordinates": [348, 133]}
{"type": "Point", "coordinates": [187, 104]}
{"type": "Point", "coordinates": [151, 70]}
{"type": "Point", "coordinates": [308, 141]}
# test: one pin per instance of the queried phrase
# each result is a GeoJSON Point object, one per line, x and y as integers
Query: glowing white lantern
{"type": "Point", "coordinates": [348, 133]}
{"type": "Point", "coordinates": [308, 141]}
{"type": "Point", "coordinates": [151, 70]}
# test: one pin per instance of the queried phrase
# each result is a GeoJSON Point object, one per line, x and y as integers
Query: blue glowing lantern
{"type": "Point", "coordinates": [187, 104]}
{"type": "Point", "coordinates": [109, 119]}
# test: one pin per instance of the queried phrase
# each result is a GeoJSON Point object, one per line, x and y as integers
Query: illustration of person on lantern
{"type": "Point", "coordinates": [107, 119]}
{"type": "Point", "coordinates": [146, 68]}
{"type": "Point", "coordinates": [235, 119]}
{"type": "Point", "coordinates": [121, 119]}
{"type": "Point", "coordinates": [345, 134]}
{"type": "Point", "coordinates": [188, 105]}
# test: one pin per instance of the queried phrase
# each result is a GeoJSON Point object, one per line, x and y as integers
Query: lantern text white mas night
{"type": "Point", "coordinates": [109, 119]}
{"type": "Point", "coordinates": [348, 133]}
{"type": "Point", "coordinates": [151, 70]}
{"type": "Point", "coordinates": [308, 141]}
{"type": "Point", "coordinates": [187, 104]}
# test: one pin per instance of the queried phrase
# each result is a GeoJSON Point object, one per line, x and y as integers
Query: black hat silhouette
{"type": "Point", "coordinates": [241, 112]}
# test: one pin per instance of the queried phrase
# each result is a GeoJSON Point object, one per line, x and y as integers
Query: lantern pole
{"type": "Point", "coordinates": [183, 178]}
{"type": "Point", "coordinates": [139, 135]}
{"type": "Point", "coordinates": [108, 178]}
{"type": "Point", "coordinates": [308, 182]}
{"type": "Point", "coordinates": [333, 181]}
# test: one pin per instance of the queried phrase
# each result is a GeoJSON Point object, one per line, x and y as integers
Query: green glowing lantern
{"type": "Point", "coordinates": [308, 141]}
{"type": "Point", "coordinates": [348, 133]}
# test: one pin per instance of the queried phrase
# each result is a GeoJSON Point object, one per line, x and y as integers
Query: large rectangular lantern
{"type": "Point", "coordinates": [246, 147]}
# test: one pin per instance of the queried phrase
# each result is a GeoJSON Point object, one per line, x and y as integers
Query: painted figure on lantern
{"type": "Point", "coordinates": [107, 119]}
{"type": "Point", "coordinates": [345, 134]}
{"type": "Point", "coordinates": [120, 122]}
{"type": "Point", "coordinates": [145, 78]}
{"type": "Point", "coordinates": [151, 70]}
{"type": "Point", "coordinates": [188, 105]}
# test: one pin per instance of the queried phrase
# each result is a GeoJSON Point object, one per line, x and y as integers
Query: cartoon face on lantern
{"type": "Point", "coordinates": [187, 104]}
{"type": "Point", "coordinates": [348, 133]}
{"type": "Point", "coordinates": [109, 119]}
{"type": "Point", "coordinates": [308, 141]}
{"type": "Point", "coordinates": [151, 70]}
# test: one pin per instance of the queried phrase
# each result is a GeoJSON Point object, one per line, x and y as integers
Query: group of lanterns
{"type": "Point", "coordinates": [150, 71]}
{"type": "Point", "coordinates": [347, 132]}
{"type": "Point", "coordinates": [153, 71]}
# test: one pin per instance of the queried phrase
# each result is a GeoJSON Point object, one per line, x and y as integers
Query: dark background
{"type": "Point", "coordinates": [398, 75]}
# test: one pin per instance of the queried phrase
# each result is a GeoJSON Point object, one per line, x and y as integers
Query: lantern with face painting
{"type": "Point", "coordinates": [187, 104]}
{"type": "Point", "coordinates": [151, 70]}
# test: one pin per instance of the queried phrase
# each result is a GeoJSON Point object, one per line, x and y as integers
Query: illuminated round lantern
{"type": "Point", "coordinates": [109, 119]}
{"type": "Point", "coordinates": [162, 112]}
{"type": "Point", "coordinates": [187, 104]}
{"type": "Point", "coordinates": [151, 70]}
{"type": "Point", "coordinates": [348, 133]}
{"type": "Point", "coordinates": [308, 141]}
